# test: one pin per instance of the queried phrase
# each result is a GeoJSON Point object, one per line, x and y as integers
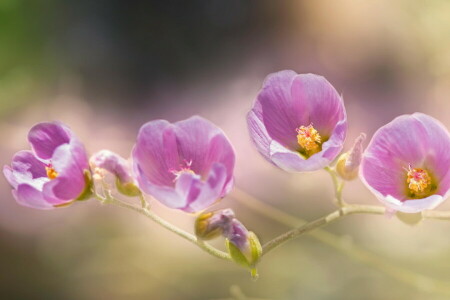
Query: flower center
{"type": "Point", "coordinates": [419, 182]}
{"type": "Point", "coordinates": [309, 139]}
{"type": "Point", "coordinates": [51, 172]}
{"type": "Point", "coordinates": [186, 168]}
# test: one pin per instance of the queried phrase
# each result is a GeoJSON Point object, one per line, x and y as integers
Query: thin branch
{"type": "Point", "coordinates": [334, 216]}
{"type": "Point", "coordinates": [152, 216]}
{"type": "Point", "coordinates": [338, 186]}
{"type": "Point", "coordinates": [353, 251]}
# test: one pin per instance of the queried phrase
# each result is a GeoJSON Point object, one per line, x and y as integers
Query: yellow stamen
{"type": "Point", "coordinates": [182, 171]}
{"type": "Point", "coordinates": [51, 172]}
{"type": "Point", "coordinates": [309, 139]}
{"type": "Point", "coordinates": [418, 180]}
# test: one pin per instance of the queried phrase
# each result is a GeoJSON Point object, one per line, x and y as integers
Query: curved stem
{"type": "Point", "coordinates": [353, 251]}
{"type": "Point", "coordinates": [336, 215]}
{"type": "Point", "coordinates": [436, 215]}
{"type": "Point", "coordinates": [338, 186]}
{"type": "Point", "coordinates": [152, 216]}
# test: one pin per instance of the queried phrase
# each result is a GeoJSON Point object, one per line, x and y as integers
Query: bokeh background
{"type": "Point", "coordinates": [105, 67]}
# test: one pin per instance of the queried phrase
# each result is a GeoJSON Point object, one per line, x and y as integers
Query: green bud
{"type": "Point", "coordinates": [210, 225]}
{"type": "Point", "coordinates": [127, 188]}
{"type": "Point", "coordinates": [409, 219]}
{"type": "Point", "coordinates": [246, 254]}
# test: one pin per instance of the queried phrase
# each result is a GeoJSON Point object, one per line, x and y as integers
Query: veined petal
{"type": "Point", "coordinates": [208, 192]}
{"type": "Point", "coordinates": [156, 152]}
{"type": "Point", "coordinates": [258, 132]}
{"type": "Point", "coordinates": [287, 102]}
{"type": "Point", "coordinates": [29, 196]}
{"type": "Point", "coordinates": [178, 163]}
{"type": "Point", "coordinates": [323, 104]}
{"type": "Point", "coordinates": [25, 168]}
{"type": "Point", "coordinates": [409, 141]}
{"type": "Point", "coordinates": [46, 137]}
{"type": "Point", "coordinates": [280, 112]}
{"type": "Point", "coordinates": [202, 143]}
{"type": "Point", "coordinates": [70, 182]}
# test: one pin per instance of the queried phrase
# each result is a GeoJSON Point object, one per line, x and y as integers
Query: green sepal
{"type": "Point", "coordinates": [88, 191]}
{"type": "Point", "coordinates": [250, 259]}
{"type": "Point", "coordinates": [127, 189]}
{"type": "Point", "coordinates": [410, 219]}
{"type": "Point", "coordinates": [256, 247]}
{"type": "Point", "coordinates": [201, 227]}
{"type": "Point", "coordinates": [236, 254]}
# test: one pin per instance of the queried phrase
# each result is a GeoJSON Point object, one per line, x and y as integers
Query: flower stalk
{"type": "Point", "coordinates": [160, 221]}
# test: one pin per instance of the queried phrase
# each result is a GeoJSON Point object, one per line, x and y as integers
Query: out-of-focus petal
{"type": "Point", "coordinates": [70, 182]}
{"type": "Point", "coordinates": [27, 195]}
{"type": "Point", "coordinates": [46, 137]}
{"type": "Point", "coordinates": [113, 163]}
{"type": "Point", "coordinates": [25, 167]}
{"type": "Point", "coordinates": [156, 152]}
{"type": "Point", "coordinates": [187, 165]}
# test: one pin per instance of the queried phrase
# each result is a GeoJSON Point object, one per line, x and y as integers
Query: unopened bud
{"type": "Point", "coordinates": [119, 167]}
{"type": "Point", "coordinates": [348, 163]}
{"type": "Point", "coordinates": [243, 245]}
{"type": "Point", "coordinates": [210, 225]}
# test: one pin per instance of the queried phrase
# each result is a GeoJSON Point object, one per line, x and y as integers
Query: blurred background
{"type": "Point", "coordinates": [106, 67]}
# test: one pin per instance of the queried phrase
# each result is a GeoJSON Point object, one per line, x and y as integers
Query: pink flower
{"type": "Point", "coordinates": [298, 121]}
{"type": "Point", "coordinates": [54, 173]}
{"type": "Point", "coordinates": [407, 163]}
{"type": "Point", "coordinates": [187, 165]}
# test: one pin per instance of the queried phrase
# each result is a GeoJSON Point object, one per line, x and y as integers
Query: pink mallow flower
{"type": "Point", "coordinates": [407, 163]}
{"type": "Point", "coordinates": [54, 173]}
{"type": "Point", "coordinates": [187, 165]}
{"type": "Point", "coordinates": [298, 121]}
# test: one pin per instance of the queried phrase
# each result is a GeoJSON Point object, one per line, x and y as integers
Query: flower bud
{"type": "Point", "coordinates": [409, 218]}
{"type": "Point", "coordinates": [118, 166]}
{"type": "Point", "coordinates": [348, 163]}
{"type": "Point", "coordinates": [243, 245]}
{"type": "Point", "coordinates": [210, 225]}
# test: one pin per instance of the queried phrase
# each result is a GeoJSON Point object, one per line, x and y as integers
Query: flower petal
{"type": "Point", "coordinates": [46, 137]}
{"type": "Point", "coordinates": [417, 140]}
{"type": "Point", "coordinates": [113, 163]}
{"type": "Point", "coordinates": [258, 132]}
{"type": "Point", "coordinates": [194, 136]}
{"type": "Point", "coordinates": [413, 206]}
{"type": "Point", "coordinates": [27, 195]}
{"type": "Point", "coordinates": [280, 113]}
{"type": "Point", "coordinates": [70, 182]}
{"type": "Point", "coordinates": [188, 165]}
{"type": "Point", "coordinates": [25, 167]}
{"type": "Point", "coordinates": [207, 192]}
{"type": "Point", "coordinates": [322, 103]}
{"type": "Point", "coordinates": [156, 152]}
{"type": "Point", "coordinates": [287, 101]}
{"type": "Point", "coordinates": [436, 142]}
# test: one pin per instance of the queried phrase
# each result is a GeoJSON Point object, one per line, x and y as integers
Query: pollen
{"type": "Point", "coordinates": [309, 139]}
{"type": "Point", "coordinates": [186, 168]}
{"type": "Point", "coordinates": [51, 172]}
{"type": "Point", "coordinates": [418, 180]}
